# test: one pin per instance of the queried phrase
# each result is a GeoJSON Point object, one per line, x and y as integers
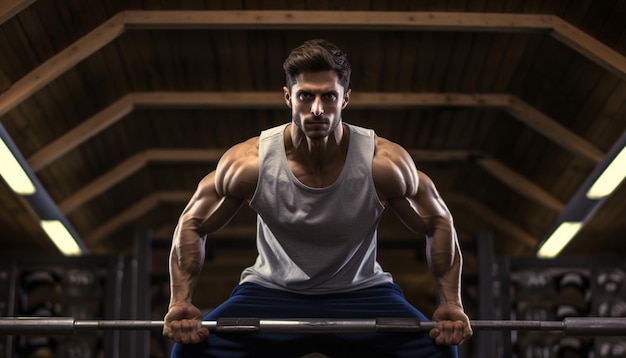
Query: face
{"type": "Point", "coordinates": [316, 101]}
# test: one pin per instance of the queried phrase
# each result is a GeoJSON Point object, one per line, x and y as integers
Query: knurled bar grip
{"type": "Point", "coordinates": [582, 326]}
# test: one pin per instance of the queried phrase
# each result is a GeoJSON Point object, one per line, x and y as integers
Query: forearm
{"type": "Point", "coordinates": [186, 261]}
{"type": "Point", "coordinates": [445, 262]}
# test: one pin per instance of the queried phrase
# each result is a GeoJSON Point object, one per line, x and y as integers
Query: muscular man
{"type": "Point", "coordinates": [319, 187]}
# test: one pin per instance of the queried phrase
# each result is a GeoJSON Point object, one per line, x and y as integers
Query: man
{"type": "Point", "coordinates": [319, 187]}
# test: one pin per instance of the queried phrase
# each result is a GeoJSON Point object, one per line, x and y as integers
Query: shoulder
{"type": "Point", "coordinates": [393, 169]}
{"type": "Point", "coordinates": [237, 171]}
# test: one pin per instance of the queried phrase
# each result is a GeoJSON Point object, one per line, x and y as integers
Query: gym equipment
{"type": "Point", "coordinates": [578, 326]}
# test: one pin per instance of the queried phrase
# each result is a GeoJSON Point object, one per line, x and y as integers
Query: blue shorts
{"type": "Point", "coordinates": [251, 300]}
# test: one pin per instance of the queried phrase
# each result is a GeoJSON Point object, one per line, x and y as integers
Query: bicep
{"type": "Point", "coordinates": [422, 211]}
{"type": "Point", "coordinates": [410, 193]}
{"type": "Point", "coordinates": [207, 211]}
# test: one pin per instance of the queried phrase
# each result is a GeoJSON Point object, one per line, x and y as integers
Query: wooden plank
{"type": "Point", "coordinates": [140, 160]}
{"type": "Point", "coordinates": [273, 99]}
{"type": "Point", "coordinates": [520, 184]}
{"type": "Point", "coordinates": [10, 8]}
{"type": "Point", "coordinates": [442, 21]}
{"type": "Point", "coordinates": [345, 20]}
{"type": "Point", "coordinates": [589, 47]}
{"type": "Point", "coordinates": [17, 58]}
{"type": "Point", "coordinates": [459, 64]}
{"type": "Point", "coordinates": [132, 165]}
{"type": "Point", "coordinates": [155, 199]}
{"type": "Point", "coordinates": [121, 108]}
{"type": "Point", "coordinates": [125, 105]}
{"type": "Point", "coordinates": [516, 46]}
{"type": "Point", "coordinates": [554, 131]}
{"type": "Point", "coordinates": [407, 100]}
{"type": "Point", "coordinates": [103, 182]}
{"type": "Point", "coordinates": [134, 212]}
{"type": "Point", "coordinates": [389, 51]}
{"type": "Point", "coordinates": [497, 221]}
{"type": "Point", "coordinates": [81, 133]}
{"type": "Point", "coordinates": [60, 63]}
{"type": "Point", "coordinates": [388, 20]}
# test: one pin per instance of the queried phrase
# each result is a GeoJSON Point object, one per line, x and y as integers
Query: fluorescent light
{"type": "Point", "coordinates": [61, 237]}
{"type": "Point", "coordinates": [13, 173]}
{"type": "Point", "coordinates": [559, 239]}
{"type": "Point", "coordinates": [610, 178]}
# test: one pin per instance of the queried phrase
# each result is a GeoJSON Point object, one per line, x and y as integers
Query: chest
{"type": "Point", "coordinates": [316, 176]}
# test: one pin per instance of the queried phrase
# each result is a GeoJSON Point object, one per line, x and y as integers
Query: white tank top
{"type": "Point", "coordinates": [316, 240]}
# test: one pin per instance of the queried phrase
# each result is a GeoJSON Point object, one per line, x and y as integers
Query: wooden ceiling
{"type": "Point", "coordinates": [121, 107]}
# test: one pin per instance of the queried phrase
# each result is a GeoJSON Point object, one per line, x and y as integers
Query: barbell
{"type": "Point", "coordinates": [576, 326]}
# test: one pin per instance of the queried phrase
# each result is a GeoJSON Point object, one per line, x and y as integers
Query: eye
{"type": "Point", "coordinates": [303, 96]}
{"type": "Point", "coordinates": [331, 97]}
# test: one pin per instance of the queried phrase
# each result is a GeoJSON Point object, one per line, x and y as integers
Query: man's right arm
{"type": "Point", "coordinates": [206, 212]}
{"type": "Point", "coordinates": [216, 200]}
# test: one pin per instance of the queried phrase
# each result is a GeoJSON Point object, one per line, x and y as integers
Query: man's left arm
{"type": "Point", "coordinates": [425, 212]}
{"type": "Point", "coordinates": [413, 196]}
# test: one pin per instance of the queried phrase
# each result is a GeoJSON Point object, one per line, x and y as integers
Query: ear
{"type": "Point", "coordinates": [346, 98]}
{"type": "Point", "coordinates": [287, 95]}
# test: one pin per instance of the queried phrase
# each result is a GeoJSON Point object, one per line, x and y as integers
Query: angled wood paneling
{"type": "Point", "coordinates": [112, 28]}
{"type": "Point", "coordinates": [116, 111]}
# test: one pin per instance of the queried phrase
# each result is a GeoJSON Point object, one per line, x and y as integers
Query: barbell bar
{"type": "Point", "coordinates": [576, 326]}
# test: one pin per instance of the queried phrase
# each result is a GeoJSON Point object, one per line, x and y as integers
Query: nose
{"type": "Point", "coordinates": [317, 108]}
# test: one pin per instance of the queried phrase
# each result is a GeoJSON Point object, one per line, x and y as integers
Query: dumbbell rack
{"type": "Point", "coordinates": [546, 289]}
{"type": "Point", "coordinates": [537, 289]}
{"type": "Point", "coordinates": [91, 287]}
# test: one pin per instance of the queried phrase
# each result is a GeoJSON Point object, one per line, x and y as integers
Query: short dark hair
{"type": "Point", "coordinates": [315, 56]}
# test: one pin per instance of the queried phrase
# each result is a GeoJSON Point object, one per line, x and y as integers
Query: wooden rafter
{"type": "Point", "coordinates": [367, 20]}
{"type": "Point", "coordinates": [119, 109]}
{"type": "Point", "coordinates": [337, 20]}
{"type": "Point", "coordinates": [134, 212]}
{"type": "Point", "coordinates": [520, 184]}
{"type": "Point", "coordinates": [136, 162]}
{"type": "Point", "coordinates": [61, 62]}
{"type": "Point", "coordinates": [554, 131]}
{"type": "Point", "coordinates": [132, 165]}
{"type": "Point", "coordinates": [494, 219]}
{"type": "Point", "coordinates": [140, 160]}
{"type": "Point", "coordinates": [589, 47]}
{"type": "Point", "coordinates": [149, 203]}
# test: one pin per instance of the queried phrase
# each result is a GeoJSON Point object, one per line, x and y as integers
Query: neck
{"type": "Point", "coordinates": [318, 151]}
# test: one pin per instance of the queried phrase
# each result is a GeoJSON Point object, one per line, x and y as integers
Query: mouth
{"type": "Point", "coordinates": [315, 120]}
{"type": "Point", "coordinates": [315, 126]}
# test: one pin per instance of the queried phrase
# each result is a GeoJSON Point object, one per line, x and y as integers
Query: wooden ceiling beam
{"type": "Point", "coordinates": [149, 203]}
{"type": "Point", "coordinates": [132, 165]}
{"type": "Point", "coordinates": [133, 213]}
{"type": "Point", "coordinates": [337, 20]}
{"type": "Point", "coordinates": [103, 182]}
{"type": "Point", "coordinates": [589, 47]}
{"type": "Point", "coordinates": [495, 220]}
{"type": "Point", "coordinates": [79, 134]}
{"type": "Point", "coordinates": [118, 110]}
{"type": "Point", "coordinates": [340, 20]}
{"type": "Point", "coordinates": [140, 160]}
{"type": "Point", "coordinates": [554, 131]}
{"type": "Point", "coordinates": [520, 184]}
{"type": "Point", "coordinates": [248, 99]}
{"type": "Point", "coordinates": [61, 62]}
